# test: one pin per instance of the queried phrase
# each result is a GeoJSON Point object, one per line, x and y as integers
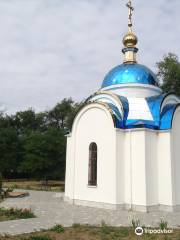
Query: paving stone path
{"type": "Point", "coordinates": [50, 209]}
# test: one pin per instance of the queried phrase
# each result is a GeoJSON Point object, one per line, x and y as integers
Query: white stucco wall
{"type": "Point", "coordinates": [69, 177]}
{"type": "Point", "coordinates": [164, 168]}
{"type": "Point", "coordinates": [136, 167]}
{"type": "Point", "coordinates": [127, 169]}
{"type": "Point", "coordinates": [151, 168]}
{"type": "Point", "coordinates": [147, 168]}
{"type": "Point", "coordinates": [138, 163]}
{"type": "Point", "coordinates": [93, 124]}
{"type": "Point", "coordinates": [175, 139]}
{"type": "Point", "coordinates": [140, 167]}
{"type": "Point", "coordinates": [120, 167]}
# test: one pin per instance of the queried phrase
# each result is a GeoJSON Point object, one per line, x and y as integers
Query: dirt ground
{"type": "Point", "coordinates": [94, 233]}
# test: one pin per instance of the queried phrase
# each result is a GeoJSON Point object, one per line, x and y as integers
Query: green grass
{"type": "Point", "coordinates": [87, 232]}
{"type": "Point", "coordinates": [40, 238]}
{"type": "Point", "coordinates": [163, 224]}
{"type": "Point", "coordinates": [58, 228]}
{"type": "Point", "coordinates": [113, 233]}
{"type": "Point", "coordinates": [15, 213]}
{"type": "Point", "coordinates": [54, 186]}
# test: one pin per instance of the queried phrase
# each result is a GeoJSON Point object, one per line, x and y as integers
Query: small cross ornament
{"type": "Point", "coordinates": [131, 9]}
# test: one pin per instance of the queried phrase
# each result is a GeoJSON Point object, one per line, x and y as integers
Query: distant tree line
{"type": "Point", "coordinates": [169, 73]}
{"type": "Point", "coordinates": [33, 145]}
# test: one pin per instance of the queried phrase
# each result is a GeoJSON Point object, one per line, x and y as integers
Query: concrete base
{"type": "Point", "coordinates": [128, 207]}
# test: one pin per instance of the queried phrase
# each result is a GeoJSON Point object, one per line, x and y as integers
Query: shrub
{"type": "Point", "coordinates": [15, 213]}
{"type": "Point", "coordinates": [27, 213]}
{"type": "Point", "coordinates": [163, 224]}
{"type": "Point", "coordinates": [58, 228]}
{"type": "Point", "coordinates": [14, 186]}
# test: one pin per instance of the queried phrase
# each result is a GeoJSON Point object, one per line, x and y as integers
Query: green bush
{"type": "Point", "coordinates": [58, 228]}
{"type": "Point", "coordinates": [15, 213]}
{"type": "Point", "coordinates": [14, 186]}
{"type": "Point", "coordinates": [163, 224]}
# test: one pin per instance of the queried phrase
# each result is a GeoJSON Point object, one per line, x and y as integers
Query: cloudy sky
{"type": "Point", "coordinates": [52, 49]}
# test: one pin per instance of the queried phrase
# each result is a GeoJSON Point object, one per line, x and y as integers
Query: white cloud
{"type": "Point", "coordinates": [51, 49]}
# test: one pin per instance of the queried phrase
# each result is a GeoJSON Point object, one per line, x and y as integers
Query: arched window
{"type": "Point", "coordinates": [92, 173]}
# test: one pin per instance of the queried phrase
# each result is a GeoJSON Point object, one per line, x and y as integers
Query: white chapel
{"type": "Point", "coordinates": [124, 148]}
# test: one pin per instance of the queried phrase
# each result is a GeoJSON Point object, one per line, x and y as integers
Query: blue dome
{"type": "Point", "coordinates": [130, 73]}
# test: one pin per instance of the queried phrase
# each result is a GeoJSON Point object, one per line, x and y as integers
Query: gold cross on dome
{"type": "Point", "coordinates": [131, 9]}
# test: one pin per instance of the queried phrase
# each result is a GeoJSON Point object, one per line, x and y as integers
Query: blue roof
{"type": "Point", "coordinates": [167, 116]}
{"type": "Point", "coordinates": [162, 114]}
{"type": "Point", "coordinates": [130, 73]}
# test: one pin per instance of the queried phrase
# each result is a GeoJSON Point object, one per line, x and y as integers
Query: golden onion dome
{"type": "Point", "coordinates": [130, 40]}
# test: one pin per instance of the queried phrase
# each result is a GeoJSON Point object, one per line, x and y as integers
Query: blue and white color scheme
{"type": "Point", "coordinates": [141, 103]}
{"type": "Point", "coordinates": [130, 73]}
{"type": "Point", "coordinates": [123, 150]}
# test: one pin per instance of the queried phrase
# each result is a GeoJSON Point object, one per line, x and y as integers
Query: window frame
{"type": "Point", "coordinates": [92, 165]}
